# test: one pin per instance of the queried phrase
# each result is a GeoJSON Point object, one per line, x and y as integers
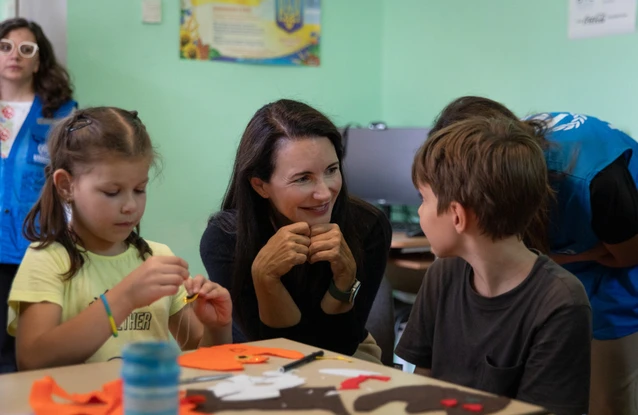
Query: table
{"type": "Point", "coordinates": [15, 388]}
{"type": "Point", "coordinates": [409, 259]}
{"type": "Point", "coordinates": [400, 240]}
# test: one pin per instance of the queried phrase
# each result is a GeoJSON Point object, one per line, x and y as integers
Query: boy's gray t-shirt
{"type": "Point", "coordinates": [532, 343]}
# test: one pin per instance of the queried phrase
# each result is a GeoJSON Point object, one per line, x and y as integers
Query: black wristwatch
{"type": "Point", "coordinates": [344, 296]}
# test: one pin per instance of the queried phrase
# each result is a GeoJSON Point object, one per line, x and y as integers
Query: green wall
{"type": "Point", "coordinates": [515, 51]}
{"type": "Point", "coordinates": [401, 63]}
{"type": "Point", "coordinates": [196, 111]}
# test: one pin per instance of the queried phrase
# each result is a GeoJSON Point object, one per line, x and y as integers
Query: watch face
{"type": "Point", "coordinates": [355, 290]}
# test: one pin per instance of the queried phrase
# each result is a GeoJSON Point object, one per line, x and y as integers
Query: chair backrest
{"type": "Point", "coordinates": [381, 322]}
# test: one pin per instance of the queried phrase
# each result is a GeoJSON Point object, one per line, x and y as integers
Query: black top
{"type": "Point", "coordinates": [614, 203]}
{"type": "Point", "coordinates": [341, 333]}
{"type": "Point", "coordinates": [531, 343]}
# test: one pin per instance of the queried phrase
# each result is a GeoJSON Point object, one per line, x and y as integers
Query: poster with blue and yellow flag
{"type": "Point", "coordinates": [276, 32]}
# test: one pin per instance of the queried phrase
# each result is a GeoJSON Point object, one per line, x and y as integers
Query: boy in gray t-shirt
{"type": "Point", "coordinates": [492, 314]}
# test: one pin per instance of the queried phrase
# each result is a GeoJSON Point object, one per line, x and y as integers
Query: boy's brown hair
{"type": "Point", "coordinates": [493, 167]}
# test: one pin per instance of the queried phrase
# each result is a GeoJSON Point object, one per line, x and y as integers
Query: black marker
{"type": "Point", "coordinates": [302, 361]}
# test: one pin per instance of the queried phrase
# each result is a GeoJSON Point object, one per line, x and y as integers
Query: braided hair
{"type": "Point", "coordinates": [76, 142]}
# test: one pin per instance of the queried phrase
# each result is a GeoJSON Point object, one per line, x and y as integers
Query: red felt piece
{"type": "Point", "coordinates": [353, 383]}
{"type": "Point", "coordinates": [449, 403]}
{"type": "Point", "coordinates": [473, 407]}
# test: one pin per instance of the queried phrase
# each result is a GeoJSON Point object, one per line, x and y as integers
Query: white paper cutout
{"type": "Point", "coordinates": [274, 373]}
{"type": "Point", "coordinates": [252, 388]}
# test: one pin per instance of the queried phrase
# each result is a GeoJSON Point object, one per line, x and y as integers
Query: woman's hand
{"type": "Point", "coordinates": [597, 253]}
{"type": "Point", "coordinates": [328, 244]}
{"type": "Point", "coordinates": [285, 249]}
{"type": "Point", "coordinates": [213, 306]}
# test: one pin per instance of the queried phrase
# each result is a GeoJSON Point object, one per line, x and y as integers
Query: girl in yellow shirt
{"type": "Point", "coordinates": [89, 283]}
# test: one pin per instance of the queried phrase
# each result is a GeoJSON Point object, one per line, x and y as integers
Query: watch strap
{"type": "Point", "coordinates": [344, 296]}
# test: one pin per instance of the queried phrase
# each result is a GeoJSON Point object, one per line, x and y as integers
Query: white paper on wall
{"type": "Point", "coordinates": [594, 18]}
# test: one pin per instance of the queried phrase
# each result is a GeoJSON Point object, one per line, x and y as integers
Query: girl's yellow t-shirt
{"type": "Point", "coordinates": [39, 279]}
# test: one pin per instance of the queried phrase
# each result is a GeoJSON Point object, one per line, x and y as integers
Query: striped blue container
{"type": "Point", "coordinates": [150, 374]}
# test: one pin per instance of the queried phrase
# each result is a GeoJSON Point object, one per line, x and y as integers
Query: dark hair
{"type": "Point", "coordinates": [492, 166]}
{"type": "Point", "coordinates": [51, 83]}
{"type": "Point", "coordinates": [472, 106]}
{"type": "Point", "coordinates": [465, 107]}
{"type": "Point", "coordinates": [76, 142]}
{"type": "Point", "coordinates": [256, 157]}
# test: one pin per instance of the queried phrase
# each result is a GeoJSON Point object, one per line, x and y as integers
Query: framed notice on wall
{"type": "Point", "coordinates": [593, 18]}
{"type": "Point", "coordinates": [277, 32]}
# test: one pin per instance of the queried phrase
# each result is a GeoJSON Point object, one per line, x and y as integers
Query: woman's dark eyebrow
{"type": "Point", "coordinates": [303, 173]}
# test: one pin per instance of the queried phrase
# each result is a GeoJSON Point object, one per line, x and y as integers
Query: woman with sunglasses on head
{"type": "Point", "coordinates": [34, 91]}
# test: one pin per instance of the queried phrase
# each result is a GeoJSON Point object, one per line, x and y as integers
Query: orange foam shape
{"type": "Point", "coordinates": [224, 357]}
{"type": "Point", "coordinates": [108, 401]}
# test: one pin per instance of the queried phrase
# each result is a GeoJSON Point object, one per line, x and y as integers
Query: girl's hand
{"type": "Point", "coordinates": [213, 307]}
{"type": "Point", "coordinates": [157, 277]}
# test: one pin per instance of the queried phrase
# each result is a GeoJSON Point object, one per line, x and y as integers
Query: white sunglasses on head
{"type": "Point", "coordinates": [26, 49]}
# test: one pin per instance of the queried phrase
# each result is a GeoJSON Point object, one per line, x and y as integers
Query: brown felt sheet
{"type": "Point", "coordinates": [427, 398]}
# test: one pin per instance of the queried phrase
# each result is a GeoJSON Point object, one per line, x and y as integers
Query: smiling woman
{"type": "Point", "coordinates": [305, 183]}
{"type": "Point", "coordinates": [302, 259]}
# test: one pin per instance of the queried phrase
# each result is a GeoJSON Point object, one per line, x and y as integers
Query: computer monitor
{"type": "Point", "coordinates": [378, 164]}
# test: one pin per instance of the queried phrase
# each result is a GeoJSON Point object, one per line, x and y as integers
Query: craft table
{"type": "Point", "coordinates": [15, 388]}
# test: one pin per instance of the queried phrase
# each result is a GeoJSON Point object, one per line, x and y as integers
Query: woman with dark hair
{"type": "Point", "coordinates": [34, 91]}
{"type": "Point", "coordinates": [592, 232]}
{"type": "Point", "coordinates": [301, 258]}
